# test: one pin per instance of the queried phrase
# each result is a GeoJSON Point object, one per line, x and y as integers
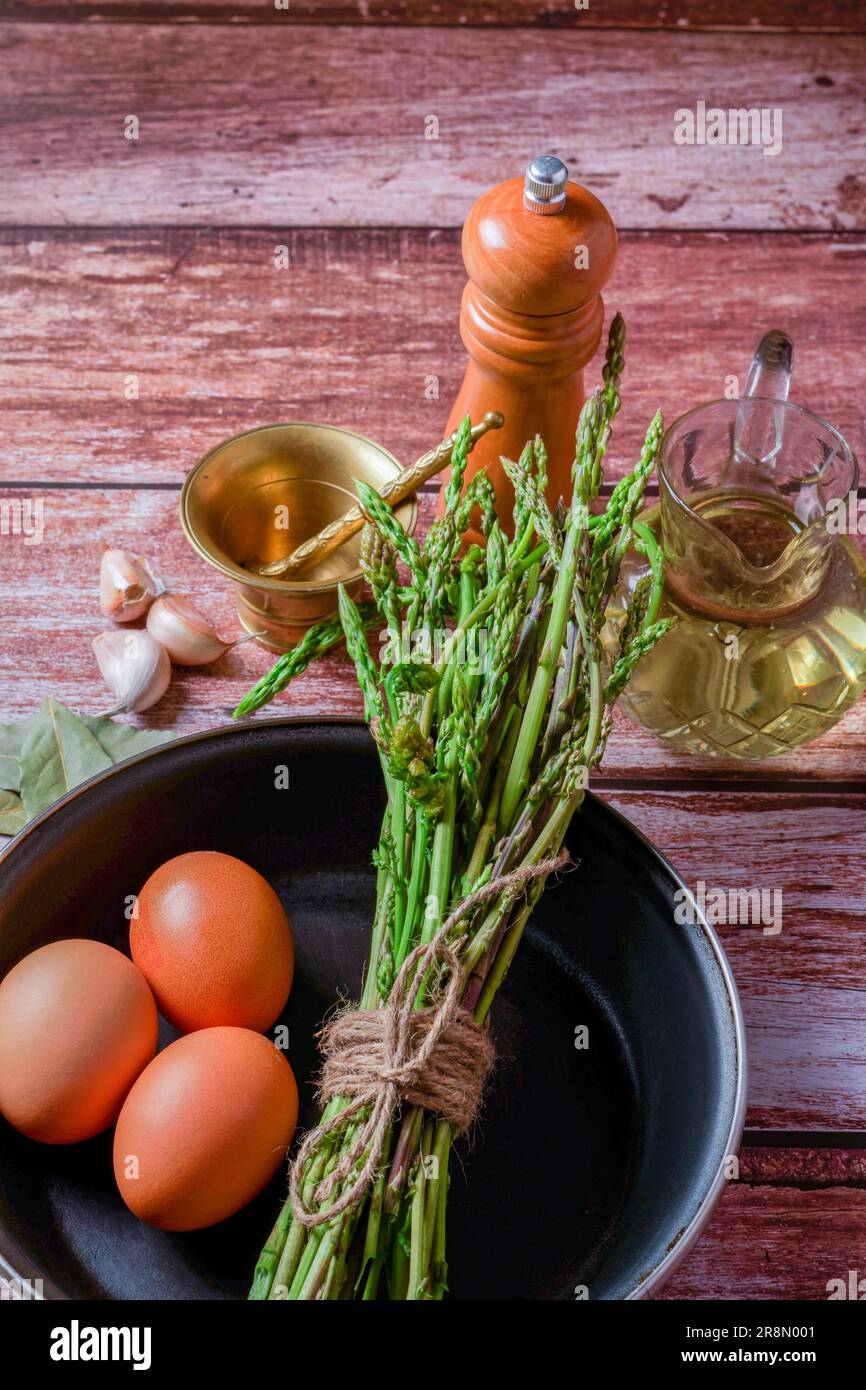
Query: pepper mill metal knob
{"type": "Point", "coordinates": [544, 185]}
{"type": "Point", "coordinates": [537, 250]}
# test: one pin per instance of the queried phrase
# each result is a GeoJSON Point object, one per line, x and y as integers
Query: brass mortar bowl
{"type": "Point", "coordinates": [258, 496]}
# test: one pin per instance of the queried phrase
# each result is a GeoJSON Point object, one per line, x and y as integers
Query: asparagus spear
{"type": "Point", "coordinates": [485, 764]}
{"type": "Point", "coordinates": [315, 642]}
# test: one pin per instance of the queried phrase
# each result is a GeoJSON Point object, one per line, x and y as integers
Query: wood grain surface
{"type": "Point", "coordinates": [801, 1167]}
{"type": "Point", "coordinates": [793, 1220]}
{"type": "Point", "coordinates": [143, 318]}
{"type": "Point", "coordinates": [361, 329]}
{"type": "Point", "coordinates": [833, 16]}
{"type": "Point", "coordinates": [244, 133]}
{"type": "Point", "coordinates": [769, 1242]}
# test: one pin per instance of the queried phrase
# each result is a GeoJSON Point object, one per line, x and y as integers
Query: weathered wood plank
{"type": "Point", "coordinates": [775, 1243]}
{"type": "Point", "coordinates": [818, 15]}
{"type": "Point", "coordinates": [805, 848]}
{"type": "Point", "coordinates": [810, 1168]}
{"type": "Point", "coordinates": [803, 989]}
{"type": "Point", "coordinates": [356, 329]}
{"type": "Point", "coordinates": [281, 132]}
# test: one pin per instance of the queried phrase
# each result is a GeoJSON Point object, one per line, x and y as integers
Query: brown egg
{"type": "Point", "coordinates": [204, 1128]}
{"type": "Point", "coordinates": [212, 939]}
{"type": "Point", "coordinates": [77, 1025]}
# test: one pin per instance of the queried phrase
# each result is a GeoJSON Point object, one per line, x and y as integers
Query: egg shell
{"type": "Point", "coordinates": [77, 1025]}
{"type": "Point", "coordinates": [204, 1128]}
{"type": "Point", "coordinates": [213, 941]}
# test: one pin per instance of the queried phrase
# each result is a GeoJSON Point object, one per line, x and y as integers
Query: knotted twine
{"type": "Point", "coordinates": [436, 1057]}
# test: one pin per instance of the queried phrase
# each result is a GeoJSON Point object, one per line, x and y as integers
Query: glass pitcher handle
{"type": "Point", "coordinates": [760, 428]}
{"type": "Point", "coordinates": [770, 372]}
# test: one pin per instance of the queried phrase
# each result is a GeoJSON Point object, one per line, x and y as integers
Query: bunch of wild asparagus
{"type": "Point", "coordinates": [490, 702]}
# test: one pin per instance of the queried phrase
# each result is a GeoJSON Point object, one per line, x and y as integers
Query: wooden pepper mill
{"type": "Point", "coordinates": [537, 251]}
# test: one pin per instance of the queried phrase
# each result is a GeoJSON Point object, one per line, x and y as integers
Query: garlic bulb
{"type": "Point", "coordinates": [127, 585]}
{"type": "Point", "coordinates": [189, 639]}
{"type": "Point", "coordinates": [135, 668]}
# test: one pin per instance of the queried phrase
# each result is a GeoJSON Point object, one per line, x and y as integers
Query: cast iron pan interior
{"type": "Point", "coordinates": [588, 1163]}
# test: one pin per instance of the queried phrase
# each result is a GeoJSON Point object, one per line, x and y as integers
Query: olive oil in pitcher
{"type": "Point", "coordinates": [769, 647]}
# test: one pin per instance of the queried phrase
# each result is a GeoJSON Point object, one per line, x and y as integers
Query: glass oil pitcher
{"type": "Point", "coordinates": [769, 647]}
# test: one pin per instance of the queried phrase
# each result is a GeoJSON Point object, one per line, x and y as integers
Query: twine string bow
{"type": "Point", "coordinates": [375, 1059]}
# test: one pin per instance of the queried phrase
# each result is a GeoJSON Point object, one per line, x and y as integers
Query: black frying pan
{"type": "Point", "coordinates": [590, 1167]}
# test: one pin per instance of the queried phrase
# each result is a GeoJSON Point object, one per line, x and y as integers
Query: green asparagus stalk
{"type": "Point", "coordinates": [315, 642]}
{"type": "Point", "coordinates": [485, 763]}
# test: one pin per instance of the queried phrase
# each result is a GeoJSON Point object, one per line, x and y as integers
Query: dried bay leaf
{"type": "Point", "coordinates": [58, 752]}
{"type": "Point", "coordinates": [121, 741]}
{"type": "Point", "coordinates": [11, 739]}
{"type": "Point", "coordinates": [13, 817]}
{"type": "Point", "coordinates": [10, 772]}
{"type": "Point", "coordinates": [47, 754]}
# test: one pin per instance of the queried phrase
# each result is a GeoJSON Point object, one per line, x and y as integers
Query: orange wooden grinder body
{"type": "Point", "coordinates": [531, 319]}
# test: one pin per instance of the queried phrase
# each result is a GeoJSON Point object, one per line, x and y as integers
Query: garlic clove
{"type": "Point", "coordinates": [135, 668]}
{"type": "Point", "coordinates": [189, 639]}
{"type": "Point", "coordinates": [127, 585]}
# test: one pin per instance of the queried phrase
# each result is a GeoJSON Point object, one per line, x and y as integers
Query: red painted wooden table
{"type": "Point", "coordinates": [154, 261]}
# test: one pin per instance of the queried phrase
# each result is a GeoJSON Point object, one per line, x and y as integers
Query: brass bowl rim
{"type": "Point", "coordinates": [261, 581]}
